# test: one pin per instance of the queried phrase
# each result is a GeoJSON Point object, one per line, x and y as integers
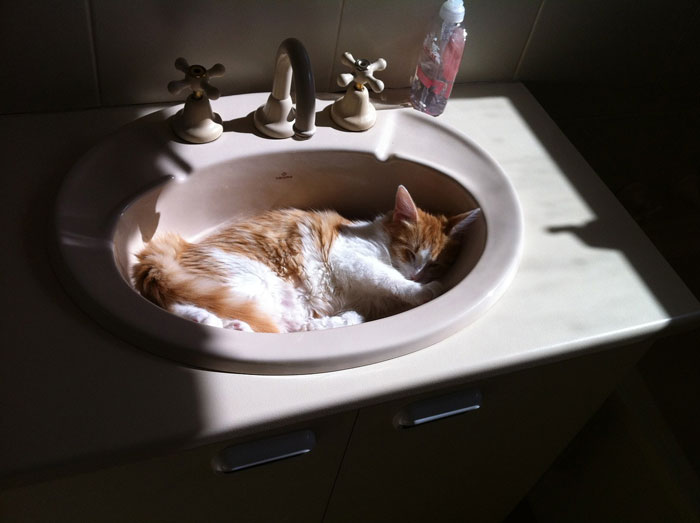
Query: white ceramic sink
{"type": "Point", "coordinates": [142, 180]}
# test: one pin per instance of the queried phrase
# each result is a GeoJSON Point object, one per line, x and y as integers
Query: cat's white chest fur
{"type": "Point", "coordinates": [364, 276]}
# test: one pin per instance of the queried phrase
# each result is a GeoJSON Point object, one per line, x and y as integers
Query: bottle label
{"type": "Point", "coordinates": [440, 88]}
{"type": "Point", "coordinates": [452, 56]}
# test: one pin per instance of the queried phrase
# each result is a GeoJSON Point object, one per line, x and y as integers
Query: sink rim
{"type": "Point", "coordinates": [117, 306]}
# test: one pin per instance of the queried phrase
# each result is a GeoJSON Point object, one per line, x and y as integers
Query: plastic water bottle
{"type": "Point", "coordinates": [439, 60]}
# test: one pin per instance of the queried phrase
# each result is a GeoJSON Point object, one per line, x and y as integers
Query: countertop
{"type": "Point", "coordinates": [74, 395]}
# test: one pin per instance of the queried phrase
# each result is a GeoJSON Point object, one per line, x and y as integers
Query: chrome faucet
{"type": "Point", "coordinates": [277, 118]}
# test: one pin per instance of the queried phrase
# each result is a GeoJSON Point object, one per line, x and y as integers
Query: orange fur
{"type": "Point", "coordinates": [159, 278]}
{"type": "Point", "coordinates": [273, 239]}
{"type": "Point", "coordinates": [427, 232]}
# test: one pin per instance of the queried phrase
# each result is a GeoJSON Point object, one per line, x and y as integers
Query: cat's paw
{"type": "Point", "coordinates": [351, 318]}
{"type": "Point", "coordinates": [237, 325]}
{"type": "Point", "coordinates": [430, 291]}
{"type": "Point", "coordinates": [436, 288]}
{"type": "Point", "coordinates": [196, 314]}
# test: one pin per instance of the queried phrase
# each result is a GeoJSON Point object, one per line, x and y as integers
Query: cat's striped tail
{"type": "Point", "coordinates": [160, 278]}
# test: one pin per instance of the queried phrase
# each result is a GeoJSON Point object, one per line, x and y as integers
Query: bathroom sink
{"type": "Point", "coordinates": [142, 181]}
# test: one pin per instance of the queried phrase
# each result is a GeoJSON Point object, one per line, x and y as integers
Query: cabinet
{"type": "Point", "coordinates": [399, 460]}
{"type": "Point", "coordinates": [186, 488]}
{"type": "Point", "coordinates": [474, 466]}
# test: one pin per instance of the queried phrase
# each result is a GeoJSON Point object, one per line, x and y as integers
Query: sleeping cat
{"type": "Point", "coordinates": [291, 270]}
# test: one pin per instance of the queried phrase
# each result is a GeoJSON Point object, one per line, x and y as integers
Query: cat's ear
{"type": "Point", "coordinates": [458, 223]}
{"type": "Point", "coordinates": [404, 208]}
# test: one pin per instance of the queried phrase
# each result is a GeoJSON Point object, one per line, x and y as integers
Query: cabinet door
{"type": "Point", "coordinates": [437, 457]}
{"type": "Point", "coordinates": [286, 475]}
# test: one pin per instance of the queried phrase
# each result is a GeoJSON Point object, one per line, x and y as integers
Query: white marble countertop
{"type": "Point", "coordinates": [71, 392]}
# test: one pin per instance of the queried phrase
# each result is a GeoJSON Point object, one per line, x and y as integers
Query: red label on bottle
{"type": "Point", "coordinates": [438, 87]}
{"type": "Point", "coordinates": [452, 56]}
{"type": "Point", "coordinates": [449, 66]}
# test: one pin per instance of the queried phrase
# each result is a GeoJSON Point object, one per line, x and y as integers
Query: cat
{"type": "Point", "coordinates": [292, 270]}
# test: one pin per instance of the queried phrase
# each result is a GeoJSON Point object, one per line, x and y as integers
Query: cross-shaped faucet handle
{"type": "Point", "coordinates": [196, 78]}
{"type": "Point", "coordinates": [363, 73]}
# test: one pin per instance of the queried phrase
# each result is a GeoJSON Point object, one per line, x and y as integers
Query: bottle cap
{"type": "Point", "coordinates": [452, 11]}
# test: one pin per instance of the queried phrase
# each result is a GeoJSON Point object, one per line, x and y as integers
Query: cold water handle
{"type": "Point", "coordinates": [196, 123]}
{"type": "Point", "coordinates": [363, 73]}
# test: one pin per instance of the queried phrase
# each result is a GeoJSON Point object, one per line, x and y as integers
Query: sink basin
{"type": "Point", "coordinates": [142, 181]}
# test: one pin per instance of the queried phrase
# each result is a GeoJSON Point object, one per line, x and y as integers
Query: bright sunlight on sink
{"type": "Point", "coordinates": [143, 181]}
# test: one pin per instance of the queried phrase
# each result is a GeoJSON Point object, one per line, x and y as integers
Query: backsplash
{"type": "Point", "coordinates": [69, 54]}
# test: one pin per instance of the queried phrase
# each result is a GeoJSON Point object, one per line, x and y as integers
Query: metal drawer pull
{"type": "Point", "coordinates": [253, 453]}
{"type": "Point", "coordinates": [433, 409]}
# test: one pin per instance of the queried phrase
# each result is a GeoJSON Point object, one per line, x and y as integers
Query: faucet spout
{"type": "Point", "coordinates": [277, 118]}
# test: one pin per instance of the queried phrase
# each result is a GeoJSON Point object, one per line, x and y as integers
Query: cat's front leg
{"type": "Point", "coordinates": [380, 279]}
{"type": "Point", "coordinates": [418, 293]}
{"type": "Point", "coordinates": [411, 292]}
{"type": "Point", "coordinates": [377, 287]}
{"type": "Point", "coordinates": [431, 290]}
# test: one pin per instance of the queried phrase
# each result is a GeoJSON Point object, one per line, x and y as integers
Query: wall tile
{"type": "Point", "coordinates": [497, 32]}
{"type": "Point", "coordinates": [46, 56]}
{"type": "Point", "coordinates": [621, 41]}
{"type": "Point", "coordinates": [46, 47]}
{"type": "Point", "coordinates": [137, 42]}
{"type": "Point", "coordinates": [390, 29]}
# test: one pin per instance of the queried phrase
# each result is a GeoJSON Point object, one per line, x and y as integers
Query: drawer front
{"type": "Point", "coordinates": [472, 452]}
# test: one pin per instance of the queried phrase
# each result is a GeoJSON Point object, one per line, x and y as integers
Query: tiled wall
{"type": "Point", "coordinates": [67, 54]}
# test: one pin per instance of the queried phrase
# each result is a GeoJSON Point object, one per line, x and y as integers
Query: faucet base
{"type": "Point", "coordinates": [196, 123]}
{"type": "Point", "coordinates": [275, 118]}
{"type": "Point", "coordinates": [354, 111]}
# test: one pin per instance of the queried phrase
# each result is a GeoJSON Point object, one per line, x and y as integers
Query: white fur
{"type": "Point", "coordinates": [330, 322]}
{"type": "Point", "coordinates": [196, 314]}
{"type": "Point", "coordinates": [252, 280]}
{"type": "Point", "coordinates": [237, 325]}
{"type": "Point", "coordinates": [363, 270]}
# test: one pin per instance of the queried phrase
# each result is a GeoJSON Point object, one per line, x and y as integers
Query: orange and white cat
{"type": "Point", "coordinates": [292, 270]}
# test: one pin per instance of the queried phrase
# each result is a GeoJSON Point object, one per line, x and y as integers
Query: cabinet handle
{"type": "Point", "coordinates": [433, 409]}
{"type": "Point", "coordinates": [259, 452]}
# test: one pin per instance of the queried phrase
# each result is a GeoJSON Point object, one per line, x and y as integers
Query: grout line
{"type": "Point", "coordinates": [516, 74]}
{"type": "Point", "coordinates": [331, 84]}
{"type": "Point", "coordinates": [91, 31]}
